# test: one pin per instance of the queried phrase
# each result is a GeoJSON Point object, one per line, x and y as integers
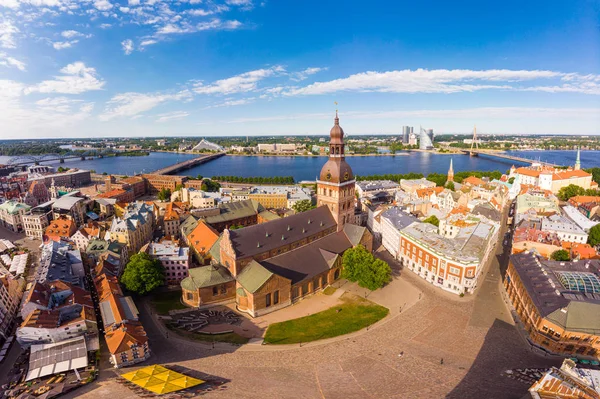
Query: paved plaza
{"type": "Point", "coordinates": [398, 358]}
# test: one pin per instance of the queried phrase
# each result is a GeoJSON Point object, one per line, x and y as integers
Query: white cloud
{"type": "Point", "coordinates": [242, 83]}
{"type": "Point", "coordinates": [134, 2]}
{"type": "Point", "coordinates": [244, 5]}
{"type": "Point", "coordinates": [7, 34]}
{"type": "Point", "coordinates": [199, 12]}
{"type": "Point", "coordinates": [171, 116]}
{"type": "Point", "coordinates": [76, 79]}
{"type": "Point", "coordinates": [231, 103]}
{"type": "Point", "coordinates": [131, 104]}
{"type": "Point", "coordinates": [7, 61]}
{"type": "Point", "coordinates": [103, 5]}
{"type": "Point", "coordinates": [71, 33]}
{"type": "Point", "coordinates": [105, 26]}
{"type": "Point", "coordinates": [64, 45]}
{"type": "Point", "coordinates": [127, 46]}
{"type": "Point", "coordinates": [449, 81]}
{"type": "Point", "coordinates": [302, 75]}
{"type": "Point", "coordinates": [499, 113]}
{"type": "Point", "coordinates": [148, 42]}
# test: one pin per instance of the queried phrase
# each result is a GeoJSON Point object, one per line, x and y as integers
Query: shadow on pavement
{"type": "Point", "coordinates": [484, 379]}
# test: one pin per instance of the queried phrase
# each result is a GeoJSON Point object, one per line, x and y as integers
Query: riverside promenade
{"type": "Point", "coordinates": [190, 163]}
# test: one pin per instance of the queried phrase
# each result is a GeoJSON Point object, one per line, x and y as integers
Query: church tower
{"type": "Point", "coordinates": [451, 172]}
{"type": "Point", "coordinates": [578, 160]}
{"type": "Point", "coordinates": [335, 187]}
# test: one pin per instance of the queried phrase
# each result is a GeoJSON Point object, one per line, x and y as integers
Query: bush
{"type": "Point", "coordinates": [594, 235]}
{"type": "Point", "coordinates": [432, 220]}
{"type": "Point", "coordinates": [561, 255]}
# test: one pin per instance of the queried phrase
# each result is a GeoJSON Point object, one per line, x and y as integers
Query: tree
{"type": "Point", "coordinates": [561, 255]}
{"type": "Point", "coordinates": [164, 194]}
{"type": "Point", "coordinates": [362, 267]}
{"type": "Point", "coordinates": [511, 180]}
{"type": "Point", "coordinates": [179, 187]}
{"type": "Point", "coordinates": [210, 185]}
{"type": "Point", "coordinates": [433, 220]}
{"type": "Point", "coordinates": [569, 191]}
{"type": "Point", "coordinates": [438, 178]}
{"type": "Point", "coordinates": [143, 274]}
{"type": "Point", "coordinates": [450, 186]}
{"type": "Point", "coordinates": [594, 235]}
{"type": "Point", "coordinates": [303, 206]}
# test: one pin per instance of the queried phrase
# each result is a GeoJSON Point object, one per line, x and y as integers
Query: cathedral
{"type": "Point", "coordinates": [272, 265]}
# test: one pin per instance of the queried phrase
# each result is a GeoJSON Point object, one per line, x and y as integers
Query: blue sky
{"type": "Point", "coordinates": [91, 68]}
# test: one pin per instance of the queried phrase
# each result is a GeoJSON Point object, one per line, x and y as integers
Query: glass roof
{"type": "Point", "coordinates": [580, 281]}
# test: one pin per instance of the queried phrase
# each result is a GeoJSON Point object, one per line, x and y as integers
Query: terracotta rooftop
{"type": "Point", "coordinates": [125, 337]}
{"type": "Point", "coordinates": [203, 237]}
{"type": "Point", "coordinates": [112, 193]}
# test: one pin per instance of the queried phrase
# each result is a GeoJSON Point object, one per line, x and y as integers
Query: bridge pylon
{"type": "Point", "coordinates": [474, 143]}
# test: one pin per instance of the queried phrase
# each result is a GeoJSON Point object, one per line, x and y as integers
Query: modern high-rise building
{"type": "Point", "coordinates": [406, 131]}
{"type": "Point", "coordinates": [425, 141]}
{"type": "Point", "coordinates": [430, 134]}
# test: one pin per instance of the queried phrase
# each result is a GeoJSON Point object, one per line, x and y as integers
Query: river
{"type": "Point", "coordinates": [307, 168]}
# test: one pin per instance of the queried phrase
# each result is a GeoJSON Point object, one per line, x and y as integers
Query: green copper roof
{"type": "Point", "coordinates": [578, 316]}
{"type": "Point", "coordinates": [253, 277]}
{"type": "Point", "coordinates": [215, 250]}
{"type": "Point", "coordinates": [240, 292]}
{"type": "Point", "coordinates": [14, 207]}
{"type": "Point", "coordinates": [354, 233]}
{"type": "Point", "coordinates": [206, 276]}
{"type": "Point", "coordinates": [188, 225]}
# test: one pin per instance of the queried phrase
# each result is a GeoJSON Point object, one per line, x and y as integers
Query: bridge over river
{"type": "Point", "coordinates": [190, 163]}
{"type": "Point", "coordinates": [497, 154]}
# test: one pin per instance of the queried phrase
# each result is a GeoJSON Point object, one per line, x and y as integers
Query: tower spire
{"type": "Point", "coordinates": [450, 172]}
{"type": "Point", "coordinates": [578, 160]}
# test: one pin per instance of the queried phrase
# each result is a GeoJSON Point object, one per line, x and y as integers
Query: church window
{"type": "Point", "coordinates": [276, 297]}
{"type": "Point", "coordinates": [268, 299]}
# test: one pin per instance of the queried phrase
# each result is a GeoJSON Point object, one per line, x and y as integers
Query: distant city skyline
{"type": "Point", "coordinates": [143, 68]}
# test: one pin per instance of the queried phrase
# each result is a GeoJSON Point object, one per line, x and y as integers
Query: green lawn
{"type": "Point", "coordinates": [165, 301]}
{"type": "Point", "coordinates": [354, 314]}
{"type": "Point", "coordinates": [231, 338]}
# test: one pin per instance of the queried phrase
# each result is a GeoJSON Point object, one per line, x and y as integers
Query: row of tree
{"type": "Point", "coordinates": [439, 179]}
{"type": "Point", "coordinates": [572, 190]}
{"type": "Point", "coordinates": [256, 179]}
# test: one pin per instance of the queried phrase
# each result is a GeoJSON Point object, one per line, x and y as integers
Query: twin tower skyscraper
{"type": "Point", "coordinates": [425, 137]}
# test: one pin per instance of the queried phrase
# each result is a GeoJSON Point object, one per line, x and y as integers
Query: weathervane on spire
{"type": "Point", "coordinates": [336, 108]}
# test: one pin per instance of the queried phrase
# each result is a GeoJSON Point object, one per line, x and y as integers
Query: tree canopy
{"type": "Point", "coordinates": [594, 235]}
{"type": "Point", "coordinates": [450, 186]}
{"type": "Point", "coordinates": [438, 178]}
{"type": "Point", "coordinates": [362, 267]}
{"type": "Point", "coordinates": [210, 185]}
{"type": "Point", "coordinates": [164, 194]}
{"type": "Point", "coordinates": [433, 220]}
{"type": "Point", "coordinates": [303, 206]}
{"type": "Point", "coordinates": [143, 274]}
{"type": "Point", "coordinates": [561, 255]}
{"type": "Point", "coordinates": [565, 193]}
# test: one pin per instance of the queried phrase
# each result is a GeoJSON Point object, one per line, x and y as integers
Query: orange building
{"type": "Point", "coordinates": [567, 382]}
{"type": "Point", "coordinates": [125, 336]}
{"type": "Point", "coordinates": [557, 303]}
{"type": "Point", "coordinates": [60, 229]}
{"type": "Point", "coordinates": [201, 240]}
{"type": "Point", "coordinates": [155, 183]}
